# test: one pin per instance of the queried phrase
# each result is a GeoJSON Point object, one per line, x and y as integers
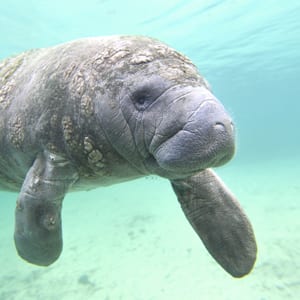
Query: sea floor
{"type": "Point", "coordinates": [132, 242]}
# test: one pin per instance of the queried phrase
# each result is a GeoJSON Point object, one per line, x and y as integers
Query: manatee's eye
{"type": "Point", "coordinates": [142, 98]}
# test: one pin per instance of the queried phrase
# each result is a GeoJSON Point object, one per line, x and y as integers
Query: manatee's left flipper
{"type": "Point", "coordinates": [38, 236]}
{"type": "Point", "coordinates": [219, 220]}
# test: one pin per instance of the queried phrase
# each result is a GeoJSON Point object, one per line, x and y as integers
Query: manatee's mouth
{"type": "Point", "coordinates": [183, 153]}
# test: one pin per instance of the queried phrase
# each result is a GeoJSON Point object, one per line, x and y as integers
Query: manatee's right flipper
{"type": "Point", "coordinates": [38, 235]}
{"type": "Point", "coordinates": [219, 220]}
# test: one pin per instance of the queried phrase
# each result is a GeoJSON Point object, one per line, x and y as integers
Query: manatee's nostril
{"type": "Point", "coordinates": [226, 126]}
{"type": "Point", "coordinates": [232, 126]}
{"type": "Point", "coordinates": [219, 126]}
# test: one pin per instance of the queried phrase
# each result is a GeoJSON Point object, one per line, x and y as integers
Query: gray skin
{"type": "Point", "coordinates": [99, 111]}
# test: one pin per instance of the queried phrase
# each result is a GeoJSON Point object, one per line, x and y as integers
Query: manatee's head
{"type": "Point", "coordinates": [181, 129]}
{"type": "Point", "coordinates": [166, 111]}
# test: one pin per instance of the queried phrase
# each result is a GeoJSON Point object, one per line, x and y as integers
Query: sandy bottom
{"type": "Point", "coordinates": [132, 241]}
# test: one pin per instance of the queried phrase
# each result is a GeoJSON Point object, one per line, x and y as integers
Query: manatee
{"type": "Point", "coordinates": [98, 111]}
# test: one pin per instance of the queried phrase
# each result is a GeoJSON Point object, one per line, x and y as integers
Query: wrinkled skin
{"type": "Point", "coordinates": [98, 111]}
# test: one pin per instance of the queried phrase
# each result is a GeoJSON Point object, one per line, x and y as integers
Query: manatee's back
{"type": "Point", "coordinates": [13, 161]}
{"type": "Point", "coordinates": [37, 89]}
{"type": "Point", "coordinates": [26, 97]}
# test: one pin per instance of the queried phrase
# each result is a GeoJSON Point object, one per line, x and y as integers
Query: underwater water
{"type": "Point", "coordinates": [132, 241]}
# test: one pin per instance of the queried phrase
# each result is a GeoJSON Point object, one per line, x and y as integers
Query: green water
{"type": "Point", "coordinates": [131, 241]}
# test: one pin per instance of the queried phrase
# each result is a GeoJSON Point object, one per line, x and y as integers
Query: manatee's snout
{"type": "Point", "coordinates": [225, 132]}
{"type": "Point", "coordinates": [203, 135]}
{"type": "Point", "coordinates": [213, 125]}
